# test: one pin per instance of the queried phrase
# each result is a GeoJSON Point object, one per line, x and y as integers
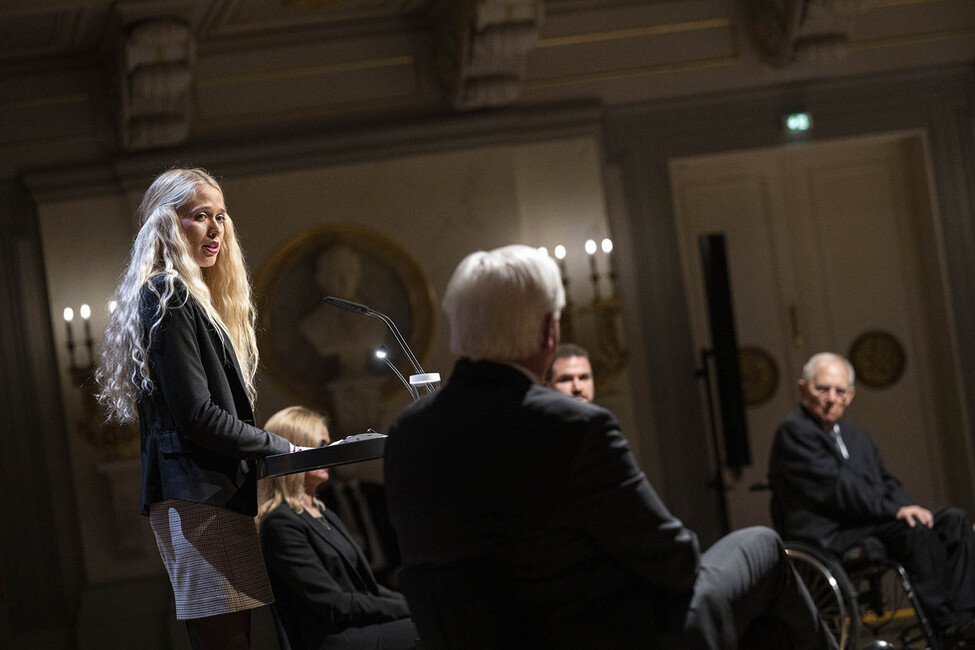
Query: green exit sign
{"type": "Point", "coordinates": [797, 122]}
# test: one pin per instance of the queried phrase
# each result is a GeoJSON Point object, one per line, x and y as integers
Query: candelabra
{"type": "Point", "coordinates": [112, 439]}
{"type": "Point", "coordinates": [607, 352]}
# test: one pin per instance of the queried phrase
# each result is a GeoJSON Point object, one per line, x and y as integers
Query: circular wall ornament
{"type": "Point", "coordinates": [759, 375]}
{"type": "Point", "coordinates": [878, 359]}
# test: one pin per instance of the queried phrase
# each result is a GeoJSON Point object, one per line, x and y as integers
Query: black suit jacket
{"type": "Point", "coordinates": [197, 427]}
{"type": "Point", "coordinates": [326, 598]}
{"type": "Point", "coordinates": [822, 498]}
{"type": "Point", "coordinates": [384, 560]}
{"type": "Point", "coordinates": [543, 490]}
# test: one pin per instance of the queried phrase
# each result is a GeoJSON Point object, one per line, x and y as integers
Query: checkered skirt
{"type": "Point", "coordinates": [213, 557]}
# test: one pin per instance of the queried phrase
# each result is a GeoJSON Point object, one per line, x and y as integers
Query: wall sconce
{"type": "Point", "coordinates": [112, 439]}
{"type": "Point", "coordinates": [568, 332]}
{"type": "Point", "coordinates": [85, 313]}
{"type": "Point", "coordinates": [607, 352]}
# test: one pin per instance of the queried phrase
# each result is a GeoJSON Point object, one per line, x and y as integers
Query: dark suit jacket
{"type": "Point", "coordinates": [197, 428]}
{"type": "Point", "coordinates": [543, 490]}
{"type": "Point", "coordinates": [822, 498]}
{"type": "Point", "coordinates": [326, 598]}
{"type": "Point", "coordinates": [385, 560]}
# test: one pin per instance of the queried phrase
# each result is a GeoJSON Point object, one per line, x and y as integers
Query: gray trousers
{"type": "Point", "coordinates": [748, 596]}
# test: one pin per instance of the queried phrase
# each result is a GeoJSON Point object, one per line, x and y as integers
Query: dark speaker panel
{"type": "Point", "coordinates": [724, 348]}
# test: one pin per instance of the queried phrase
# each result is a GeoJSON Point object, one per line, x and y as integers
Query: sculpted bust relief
{"type": "Point", "coordinates": [333, 333]}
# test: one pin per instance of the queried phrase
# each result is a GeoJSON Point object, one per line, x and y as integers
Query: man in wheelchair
{"type": "Point", "coordinates": [831, 489]}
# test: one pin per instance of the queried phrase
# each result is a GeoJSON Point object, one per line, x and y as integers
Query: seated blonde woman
{"type": "Point", "coordinates": [326, 596]}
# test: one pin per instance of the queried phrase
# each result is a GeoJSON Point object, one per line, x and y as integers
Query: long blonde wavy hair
{"type": "Point", "coordinates": [162, 250]}
{"type": "Point", "coordinates": [302, 427]}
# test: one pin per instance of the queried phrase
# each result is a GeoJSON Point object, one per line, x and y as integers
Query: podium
{"type": "Point", "coordinates": [353, 449]}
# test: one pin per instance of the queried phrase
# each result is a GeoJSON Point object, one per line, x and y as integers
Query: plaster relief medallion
{"type": "Point", "coordinates": [878, 359]}
{"type": "Point", "coordinates": [312, 350]}
{"type": "Point", "coordinates": [759, 375]}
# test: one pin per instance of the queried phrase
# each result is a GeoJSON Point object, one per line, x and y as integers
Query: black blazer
{"type": "Point", "coordinates": [372, 499]}
{"type": "Point", "coordinates": [197, 428]}
{"type": "Point", "coordinates": [542, 489]}
{"type": "Point", "coordinates": [822, 498]}
{"type": "Point", "coordinates": [325, 594]}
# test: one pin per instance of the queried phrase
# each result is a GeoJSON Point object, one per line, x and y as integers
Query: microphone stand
{"type": "Point", "coordinates": [429, 381]}
{"type": "Point", "coordinates": [382, 353]}
{"type": "Point", "coordinates": [717, 483]}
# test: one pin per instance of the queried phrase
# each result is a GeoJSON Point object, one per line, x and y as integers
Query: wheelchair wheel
{"type": "Point", "coordinates": [831, 591]}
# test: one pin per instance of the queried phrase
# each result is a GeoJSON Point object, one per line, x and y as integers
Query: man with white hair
{"type": "Point", "coordinates": [831, 489]}
{"type": "Point", "coordinates": [563, 542]}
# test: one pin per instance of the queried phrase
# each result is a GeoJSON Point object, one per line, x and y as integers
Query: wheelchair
{"type": "Point", "coordinates": [863, 590]}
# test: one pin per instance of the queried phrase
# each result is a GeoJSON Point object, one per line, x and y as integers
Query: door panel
{"type": "Point", "coordinates": [860, 209]}
{"type": "Point", "coordinates": [822, 232]}
{"type": "Point", "coordinates": [740, 196]}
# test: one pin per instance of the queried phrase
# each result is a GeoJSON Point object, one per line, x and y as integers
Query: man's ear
{"type": "Point", "coordinates": [850, 392]}
{"type": "Point", "coordinates": [802, 389]}
{"type": "Point", "coordinates": [551, 332]}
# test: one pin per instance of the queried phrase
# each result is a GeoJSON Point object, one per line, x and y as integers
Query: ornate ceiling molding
{"type": "Point", "coordinates": [482, 49]}
{"type": "Point", "coordinates": [788, 31]}
{"type": "Point", "coordinates": [156, 76]}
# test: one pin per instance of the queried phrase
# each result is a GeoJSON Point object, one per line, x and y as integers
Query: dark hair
{"type": "Point", "coordinates": [564, 351]}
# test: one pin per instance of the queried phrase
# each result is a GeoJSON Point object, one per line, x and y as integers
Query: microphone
{"type": "Point", "coordinates": [347, 305]}
{"type": "Point", "coordinates": [430, 381]}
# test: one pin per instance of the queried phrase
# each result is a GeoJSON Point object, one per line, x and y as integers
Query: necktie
{"type": "Point", "coordinates": [838, 439]}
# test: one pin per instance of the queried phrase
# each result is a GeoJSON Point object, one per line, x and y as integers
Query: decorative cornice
{"type": "Point", "coordinates": [482, 50]}
{"type": "Point", "coordinates": [133, 172]}
{"type": "Point", "coordinates": [786, 31]}
{"type": "Point", "coordinates": [634, 32]}
{"type": "Point", "coordinates": [156, 60]}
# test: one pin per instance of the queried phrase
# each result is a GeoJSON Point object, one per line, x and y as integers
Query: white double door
{"type": "Point", "coordinates": [826, 242]}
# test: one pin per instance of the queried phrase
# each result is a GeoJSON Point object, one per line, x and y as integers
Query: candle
{"type": "Point", "coordinates": [607, 246]}
{"type": "Point", "coordinates": [85, 313]}
{"type": "Point", "coordinates": [68, 317]}
{"type": "Point", "coordinates": [591, 251]}
{"type": "Point", "coordinates": [593, 273]}
{"type": "Point", "coordinates": [560, 256]}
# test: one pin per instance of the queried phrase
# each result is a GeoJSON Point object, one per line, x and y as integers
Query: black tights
{"type": "Point", "coordinates": [223, 632]}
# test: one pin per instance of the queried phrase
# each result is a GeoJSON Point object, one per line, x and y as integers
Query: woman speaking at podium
{"type": "Point", "coordinates": [180, 354]}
